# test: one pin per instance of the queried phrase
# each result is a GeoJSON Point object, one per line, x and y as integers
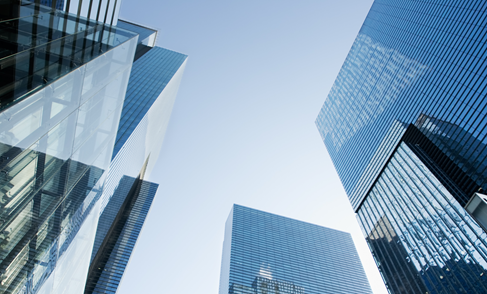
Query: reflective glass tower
{"type": "Point", "coordinates": [84, 106]}
{"type": "Point", "coordinates": [405, 126]}
{"type": "Point", "coordinates": [127, 197]}
{"type": "Point", "coordinates": [62, 88]}
{"type": "Point", "coordinates": [268, 253]}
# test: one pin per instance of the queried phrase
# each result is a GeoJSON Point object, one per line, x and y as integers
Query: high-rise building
{"type": "Point", "coordinates": [151, 92]}
{"type": "Point", "coordinates": [405, 125]}
{"type": "Point", "coordinates": [264, 253]}
{"type": "Point", "coordinates": [84, 106]}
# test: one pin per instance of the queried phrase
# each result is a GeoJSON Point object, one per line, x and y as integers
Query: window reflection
{"type": "Point", "coordinates": [39, 45]}
{"type": "Point", "coordinates": [419, 234]}
{"type": "Point", "coordinates": [53, 155]}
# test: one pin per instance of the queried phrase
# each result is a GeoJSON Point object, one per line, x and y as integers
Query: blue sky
{"type": "Point", "coordinates": [242, 130]}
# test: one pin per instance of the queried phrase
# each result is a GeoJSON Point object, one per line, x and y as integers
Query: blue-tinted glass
{"type": "Point", "coordinates": [126, 199]}
{"type": "Point", "coordinates": [47, 45]}
{"type": "Point", "coordinates": [410, 59]}
{"type": "Point", "coordinates": [267, 253]}
{"type": "Point", "coordinates": [52, 169]}
{"type": "Point", "coordinates": [62, 89]}
{"type": "Point", "coordinates": [59, 4]}
{"type": "Point", "coordinates": [122, 218]}
{"type": "Point", "coordinates": [423, 240]}
{"type": "Point", "coordinates": [405, 125]}
{"type": "Point", "coordinates": [150, 75]}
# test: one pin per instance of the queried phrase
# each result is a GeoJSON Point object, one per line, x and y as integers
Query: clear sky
{"type": "Point", "coordinates": [242, 130]}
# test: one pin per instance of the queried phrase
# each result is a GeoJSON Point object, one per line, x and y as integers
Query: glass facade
{"type": "Point", "coordinates": [122, 221]}
{"type": "Point", "coordinates": [56, 4]}
{"type": "Point", "coordinates": [423, 239]}
{"type": "Point", "coordinates": [66, 197]}
{"type": "Point", "coordinates": [150, 76]}
{"type": "Point", "coordinates": [125, 202]}
{"type": "Point", "coordinates": [267, 253]}
{"type": "Point", "coordinates": [405, 126]}
{"type": "Point", "coordinates": [56, 141]}
{"type": "Point", "coordinates": [410, 58]}
{"type": "Point", "coordinates": [105, 11]}
{"type": "Point", "coordinates": [39, 45]}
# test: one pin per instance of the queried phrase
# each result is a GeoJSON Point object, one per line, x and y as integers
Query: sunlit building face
{"type": "Point", "coordinates": [268, 253]}
{"type": "Point", "coordinates": [405, 126]}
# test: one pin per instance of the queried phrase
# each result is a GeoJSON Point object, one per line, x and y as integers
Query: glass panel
{"type": "Point", "coordinates": [44, 189]}
{"type": "Point", "coordinates": [43, 48]}
{"type": "Point", "coordinates": [431, 238]}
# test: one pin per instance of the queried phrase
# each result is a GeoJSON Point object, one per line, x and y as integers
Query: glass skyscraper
{"type": "Point", "coordinates": [405, 125]}
{"type": "Point", "coordinates": [84, 106]}
{"type": "Point", "coordinates": [264, 253]}
{"type": "Point", "coordinates": [151, 92]}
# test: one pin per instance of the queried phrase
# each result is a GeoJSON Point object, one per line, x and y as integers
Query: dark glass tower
{"type": "Point", "coordinates": [268, 253]}
{"type": "Point", "coordinates": [405, 125]}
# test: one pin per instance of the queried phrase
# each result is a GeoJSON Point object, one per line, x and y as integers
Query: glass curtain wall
{"type": "Point", "coordinates": [421, 237]}
{"type": "Point", "coordinates": [268, 253]}
{"type": "Point", "coordinates": [410, 58]}
{"type": "Point", "coordinates": [40, 45]}
{"type": "Point", "coordinates": [61, 98]}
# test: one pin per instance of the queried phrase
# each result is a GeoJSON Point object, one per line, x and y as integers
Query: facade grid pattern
{"type": "Point", "coordinates": [406, 127]}
{"type": "Point", "coordinates": [410, 58]}
{"type": "Point", "coordinates": [105, 11]}
{"type": "Point", "coordinates": [152, 88]}
{"type": "Point", "coordinates": [424, 239]}
{"type": "Point", "coordinates": [283, 255]}
{"type": "Point", "coordinates": [63, 81]}
{"type": "Point", "coordinates": [150, 75]}
{"type": "Point", "coordinates": [56, 137]}
{"type": "Point", "coordinates": [110, 212]}
{"type": "Point", "coordinates": [119, 257]}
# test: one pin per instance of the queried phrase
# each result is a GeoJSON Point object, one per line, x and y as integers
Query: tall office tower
{"type": "Point", "coordinates": [264, 253]}
{"type": "Point", "coordinates": [72, 169]}
{"type": "Point", "coordinates": [151, 92]}
{"type": "Point", "coordinates": [405, 125]}
{"type": "Point", "coordinates": [62, 87]}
